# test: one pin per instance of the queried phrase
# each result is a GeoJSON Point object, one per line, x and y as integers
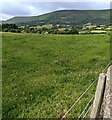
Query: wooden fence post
{"type": "Point", "coordinates": [98, 96]}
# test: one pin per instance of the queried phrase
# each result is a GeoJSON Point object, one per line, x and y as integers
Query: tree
{"type": "Point", "coordinates": [73, 31]}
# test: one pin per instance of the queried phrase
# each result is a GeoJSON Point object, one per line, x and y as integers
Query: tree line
{"type": "Point", "coordinates": [25, 29]}
{"type": "Point", "coordinates": [10, 28]}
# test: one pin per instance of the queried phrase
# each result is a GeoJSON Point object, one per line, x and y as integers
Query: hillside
{"type": "Point", "coordinates": [72, 17]}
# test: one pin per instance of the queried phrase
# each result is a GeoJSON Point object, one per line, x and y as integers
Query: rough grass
{"type": "Point", "coordinates": [44, 74]}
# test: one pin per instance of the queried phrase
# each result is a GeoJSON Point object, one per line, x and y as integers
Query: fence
{"type": "Point", "coordinates": [101, 107]}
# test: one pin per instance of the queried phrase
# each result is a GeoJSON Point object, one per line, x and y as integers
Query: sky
{"type": "Point", "coordinates": [11, 8]}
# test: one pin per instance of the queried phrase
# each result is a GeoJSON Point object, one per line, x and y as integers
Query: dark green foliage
{"type": "Point", "coordinates": [10, 28]}
{"type": "Point", "coordinates": [73, 31]}
{"type": "Point", "coordinates": [43, 30]}
{"type": "Point", "coordinates": [13, 26]}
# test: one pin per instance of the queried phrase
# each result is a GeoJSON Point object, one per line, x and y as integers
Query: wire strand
{"type": "Point", "coordinates": [107, 66]}
{"type": "Point", "coordinates": [79, 98]}
{"type": "Point", "coordinates": [86, 107]}
{"type": "Point", "coordinates": [83, 93]}
{"type": "Point", "coordinates": [87, 111]}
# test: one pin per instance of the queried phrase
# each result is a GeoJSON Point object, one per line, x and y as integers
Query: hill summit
{"type": "Point", "coordinates": [71, 17]}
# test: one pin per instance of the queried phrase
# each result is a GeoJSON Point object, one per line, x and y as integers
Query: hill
{"type": "Point", "coordinates": [72, 17]}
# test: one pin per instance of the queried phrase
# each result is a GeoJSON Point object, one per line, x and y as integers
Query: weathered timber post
{"type": "Point", "coordinates": [107, 102]}
{"type": "Point", "coordinates": [98, 96]}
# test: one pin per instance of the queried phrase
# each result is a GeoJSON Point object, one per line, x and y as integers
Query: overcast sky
{"type": "Point", "coordinates": [11, 8]}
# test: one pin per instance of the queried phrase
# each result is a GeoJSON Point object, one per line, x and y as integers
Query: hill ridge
{"type": "Point", "coordinates": [73, 17]}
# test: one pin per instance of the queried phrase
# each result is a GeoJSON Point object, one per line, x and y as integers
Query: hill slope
{"type": "Point", "coordinates": [73, 17]}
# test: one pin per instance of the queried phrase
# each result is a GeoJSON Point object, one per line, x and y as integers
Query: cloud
{"type": "Point", "coordinates": [15, 8]}
{"type": "Point", "coordinates": [5, 16]}
{"type": "Point", "coordinates": [28, 8]}
{"type": "Point", "coordinates": [57, 1]}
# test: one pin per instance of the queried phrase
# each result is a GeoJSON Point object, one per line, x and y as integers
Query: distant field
{"type": "Point", "coordinates": [44, 74]}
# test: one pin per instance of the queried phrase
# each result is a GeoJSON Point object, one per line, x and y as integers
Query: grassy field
{"type": "Point", "coordinates": [44, 74]}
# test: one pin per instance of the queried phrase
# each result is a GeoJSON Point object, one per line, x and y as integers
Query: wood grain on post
{"type": "Point", "coordinates": [98, 96]}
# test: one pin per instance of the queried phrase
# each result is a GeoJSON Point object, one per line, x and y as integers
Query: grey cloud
{"type": "Point", "coordinates": [70, 5]}
{"type": "Point", "coordinates": [15, 8]}
{"type": "Point", "coordinates": [37, 8]}
{"type": "Point", "coordinates": [41, 7]}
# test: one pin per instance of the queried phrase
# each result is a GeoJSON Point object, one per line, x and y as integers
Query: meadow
{"type": "Point", "coordinates": [44, 74]}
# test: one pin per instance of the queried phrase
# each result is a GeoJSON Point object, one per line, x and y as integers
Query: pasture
{"type": "Point", "coordinates": [44, 74]}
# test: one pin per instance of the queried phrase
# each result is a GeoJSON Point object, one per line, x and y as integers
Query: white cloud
{"type": "Point", "coordinates": [5, 16]}
{"type": "Point", "coordinates": [37, 7]}
{"type": "Point", "coordinates": [57, 1]}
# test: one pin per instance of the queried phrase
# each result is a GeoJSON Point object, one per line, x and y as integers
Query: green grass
{"type": "Point", "coordinates": [44, 74]}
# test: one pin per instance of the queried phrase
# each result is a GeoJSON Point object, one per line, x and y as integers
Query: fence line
{"type": "Point", "coordinates": [79, 99]}
{"type": "Point", "coordinates": [87, 111]}
{"type": "Point", "coordinates": [107, 66]}
{"type": "Point", "coordinates": [98, 96]}
{"type": "Point", "coordinates": [86, 107]}
{"type": "Point", "coordinates": [83, 93]}
{"type": "Point", "coordinates": [102, 95]}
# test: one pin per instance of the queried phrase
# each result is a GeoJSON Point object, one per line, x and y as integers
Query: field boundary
{"type": "Point", "coordinates": [98, 99]}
